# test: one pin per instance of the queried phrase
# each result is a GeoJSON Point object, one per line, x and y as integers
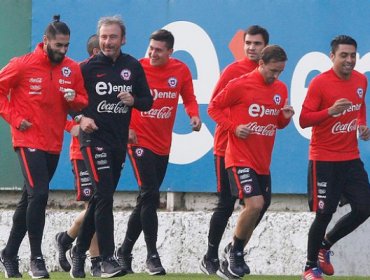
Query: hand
{"type": "Point", "coordinates": [24, 125]}
{"type": "Point", "coordinates": [287, 110]}
{"type": "Point", "coordinates": [88, 125]}
{"type": "Point", "coordinates": [242, 131]}
{"type": "Point", "coordinates": [195, 123]}
{"type": "Point", "coordinates": [75, 130]}
{"type": "Point", "coordinates": [364, 132]}
{"type": "Point", "coordinates": [126, 98]}
{"type": "Point", "coordinates": [132, 137]}
{"type": "Point", "coordinates": [69, 94]}
{"type": "Point", "coordinates": [339, 106]}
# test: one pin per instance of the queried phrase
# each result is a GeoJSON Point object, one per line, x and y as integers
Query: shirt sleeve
{"type": "Point", "coordinates": [9, 77]}
{"type": "Point", "coordinates": [69, 125]}
{"type": "Point", "coordinates": [309, 118]}
{"type": "Point", "coordinates": [362, 114]}
{"type": "Point", "coordinates": [188, 97]}
{"type": "Point", "coordinates": [225, 99]}
{"type": "Point", "coordinates": [311, 113]}
{"type": "Point", "coordinates": [81, 98]}
{"type": "Point", "coordinates": [143, 100]}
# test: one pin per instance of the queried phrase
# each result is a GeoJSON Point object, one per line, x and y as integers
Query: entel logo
{"type": "Point", "coordinates": [163, 94]}
{"type": "Point", "coordinates": [103, 88]}
{"type": "Point", "coordinates": [256, 110]}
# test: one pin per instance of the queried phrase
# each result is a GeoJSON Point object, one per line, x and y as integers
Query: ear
{"type": "Point", "coordinates": [123, 40]}
{"type": "Point", "coordinates": [331, 56]}
{"type": "Point", "coordinates": [171, 52]}
{"type": "Point", "coordinates": [45, 40]}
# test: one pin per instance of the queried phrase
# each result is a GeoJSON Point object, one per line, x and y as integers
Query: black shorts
{"type": "Point", "coordinates": [245, 182]}
{"type": "Point", "coordinates": [83, 185]}
{"type": "Point", "coordinates": [329, 180]}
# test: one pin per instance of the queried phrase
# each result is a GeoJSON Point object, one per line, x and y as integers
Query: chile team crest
{"type": "Point", "coordinates": [277, 99]}
{"type": "Point", "coordinates": [360, 92]}
{"type": "Point", "coordinates": [66, 71]}
{"type": "Point", "coordinates": [172, 82]}
{"type": "Point", "coordinates": [126, 74]}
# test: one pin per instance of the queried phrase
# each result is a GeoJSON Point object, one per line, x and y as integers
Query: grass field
{"type": "Point", "coordinates": [143, 276]}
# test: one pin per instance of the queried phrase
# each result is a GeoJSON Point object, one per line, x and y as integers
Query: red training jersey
{"type": "Point", "coordinates": [154, 127]}
{"type": "Point", "coordinates": [253, 102]}
{"type": "Point", "coordinates": [36, 90]}
{"type": "Point", "coordinates": [334, 138]}
{"type": "Point", "coordinates": [232, 71]}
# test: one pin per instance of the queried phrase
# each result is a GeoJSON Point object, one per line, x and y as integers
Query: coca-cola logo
{"type": "Point", "coordinates": [84, 173]}
{"type": "Point", "coordinates": [264, 130]}
{"type": "Point", "coordinates": [344, 127]}
{"type": "Point", "coordinates": [116, 108]}
{"type": "Point", "coordinates": [158, 113]}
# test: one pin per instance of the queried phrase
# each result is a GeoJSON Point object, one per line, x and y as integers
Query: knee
{"type": "Point", "coordinates": [226, 206]}
{"type": "Point", "coordinates": [149, 196]}
{"type": "Point", "coordinates": [40, 199]}
{"type": "Point", "coordinates": [323, 218]}
{"type": "Point", "coordinates": [255, 206]}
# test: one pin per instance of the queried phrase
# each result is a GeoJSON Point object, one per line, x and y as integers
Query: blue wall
{"type": "Point", "coordinates": [203, 30]}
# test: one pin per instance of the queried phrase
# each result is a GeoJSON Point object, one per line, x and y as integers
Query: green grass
{"type": "Point", "coordinates": [192, 276]}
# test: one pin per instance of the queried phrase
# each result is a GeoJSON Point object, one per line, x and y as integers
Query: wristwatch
{"type": "Point", "coordinates": [78, 118]}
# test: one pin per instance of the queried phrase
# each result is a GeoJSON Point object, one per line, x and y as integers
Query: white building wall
{"type": "Point", "coordinates": [278, 245]}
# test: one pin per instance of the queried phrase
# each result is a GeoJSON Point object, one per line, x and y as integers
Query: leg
{"type": "Point", "coordinates": [357, 192]}
{"type": "Point", "coordinates": [19, 227]}
{"type": "Point", "coordinates": [150, 170]}
{"type": "Point", "coordinates": [247, 219]}
{"type": "Point", "coordinates": [253, 192]}
{"type": "Point", "coordinates": [104, 167]}
{"type": "Point", "coordinates": [223, 210]}
{"type": "Point", "coordinates": [8, 255]}
{"type": "Point", "coordinates": [325, 181]}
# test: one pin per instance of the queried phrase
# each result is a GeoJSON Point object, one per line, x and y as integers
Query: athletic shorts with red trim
{"type": "Point", "coordinates": [328, 181]}
{"type": "Point", "coordinates": [245, 182]}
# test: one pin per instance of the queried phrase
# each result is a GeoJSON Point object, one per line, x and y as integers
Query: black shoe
{"type": "Point", "coordinates": [224, 273]}
{"type": "Point", "coordinates": [124, 261]}
{"type": "Point", "coordinates": [209, 267]}
{"type": "Point", "coordinates": [235, 262]}
{"type": "Point", "coordinates": [111, 268]}
{"type": "Point", "coordinates": [11, 266]}
{"type": "Point", "coordinates": [61, 251]}
{"type": "Point", "coordinates": [154, 265]}
{"type": "Point", "coordinates": [245, 266]}
{"type": "Point", "coordinates": [77, 262]}
{"type": "Point", "coordinates": [38, 268]}
{"type": "Point", "coordinates": [95, 269]}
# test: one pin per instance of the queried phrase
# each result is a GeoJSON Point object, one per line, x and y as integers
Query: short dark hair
{"type": "Point", "coordinates": [92, 43]}
{"type": "Point", "coordinates": [56, 27]}
{"type": "Point", "coordinates": [342, 40]}
{"type": "Point", "coordinates": [164, 36]}
{"type": "Point", "coordinates": [255, 30]}
{"type": "Point", "coordinates": [273, 52]}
